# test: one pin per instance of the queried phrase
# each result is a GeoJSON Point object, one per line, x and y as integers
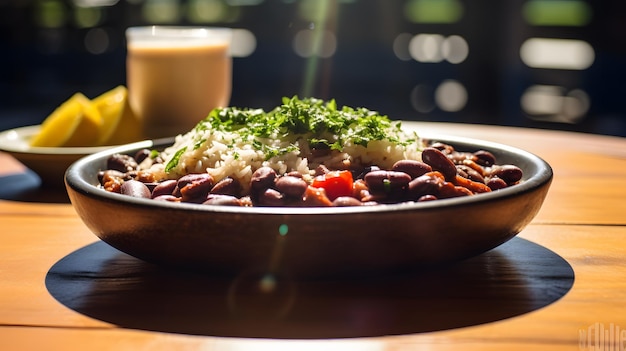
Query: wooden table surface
{"type": "Point", "coordinates": [559, 285]}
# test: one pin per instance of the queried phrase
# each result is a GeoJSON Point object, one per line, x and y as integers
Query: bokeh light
{"type": "Point", "coordinates": [553, 53]}
{"type": "Point", "coordinates": [433, 48]}
{"type": "Point", "coordinates": [455, 49]}
{"type": "Point", "coordinates": [426, 47]}
{"type": "Point", "coordinates": [309, 43]}
{"type": "Point", "coordinates": [97, 41]}
{"type": "Point", "coordinates": [555, 103]}
{"type": "Point", "coordinates": [243, 43]}
{"type": "Point", "coordinates": [451, 96]}
{"type": "Point", "coordinates": [401, 46]}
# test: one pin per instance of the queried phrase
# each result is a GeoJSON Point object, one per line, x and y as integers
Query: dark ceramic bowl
{"type": "Point", "coordinates": [310, 242]}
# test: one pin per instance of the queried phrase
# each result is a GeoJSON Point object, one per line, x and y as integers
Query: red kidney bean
{"type": "Point", "coordinates": [470, 173]}
{"type": "Point", "coordinates": [461, 172]}
{"type": "Point", "coordinates": [142, 155]}
{"type": "Point", "coordinates": [122, 163]}
{"type": "Point", "coordinates": [484, 158]}
{"type": "Point", "coordinates": [427, 184]}
{"type": "Point", "coordinates": [291, 186]}
{"type": "Point", "coordinates": [509, 173]}
{"type": "Point", "coordinates": [445, 148]}
{"type": "Point", "coordinates": [346, 201]}
{"type": "Point", "coordinates": [263, 178]}
{"type": "Point", "coordinates": [427, 198]}
{"type": "Point", "coordinates": [195, 187]}
{"type": "Point", "coordinates": [222, 200]}
{"type": "Point", "coordinates": [271, 197]}
{"type": "Point", "coordinates": [135, 188]}
{"type": "Point", "coordinates": [411, 167]}
{"type": "Point", "coordinates": [194, 177]}
{"type": "Point", "coordinates": [439, 162]}
{"type": "Point", "coordinates": [165, 187]}
{"type": "Point", "coordinates": [496, 183]}
{"type": "Point", "coordinates": [168, 198]}
{"type": "Point", "coordinates": [386, 182]}
{"type": "Point", "coordinates": [227, 186]}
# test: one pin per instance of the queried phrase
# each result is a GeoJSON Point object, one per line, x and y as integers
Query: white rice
{"type": "Point", "coordinates": [225, 154]}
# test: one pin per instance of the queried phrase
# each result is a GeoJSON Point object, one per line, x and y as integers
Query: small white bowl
{"type": "Point", "coordinates": [49, 163]}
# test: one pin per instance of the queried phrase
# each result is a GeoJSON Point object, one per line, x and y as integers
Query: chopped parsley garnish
{"type": "Point", "coordinates": [154, 154]}
{"type": "Point", "coordinates": [174, 161]}
{"type": "Point", "coordinates": [320, 123]}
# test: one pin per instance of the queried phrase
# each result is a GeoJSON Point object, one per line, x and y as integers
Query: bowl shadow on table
{"type": "Point", "coordinates": [513, 279]}
{"type": "Point", "coordinates": [27, 187]}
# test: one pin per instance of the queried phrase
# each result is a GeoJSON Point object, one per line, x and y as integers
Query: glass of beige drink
{"type": "Point", "coordinates": [177, 75]}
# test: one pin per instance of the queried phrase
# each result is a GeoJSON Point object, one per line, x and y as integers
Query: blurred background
{"type": "Point", "coordinates": [553, 64]}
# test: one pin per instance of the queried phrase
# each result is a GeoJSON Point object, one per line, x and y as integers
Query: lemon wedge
{"type": "Point", "coordinates": [119, 123]}
{"type": "Point", "coordinates": [76, 122]}
{"type": "Point", "coordinates": [105, 120]}
{"type": "Point", "coordinates": [110, 105]}
{"type": "Point", "coordinates": [128, 130]}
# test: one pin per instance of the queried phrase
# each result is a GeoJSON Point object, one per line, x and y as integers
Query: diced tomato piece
{"type": "Point", "coordinates": [316, 197]}
{"type": "Point", "coordinates": [335, 183]}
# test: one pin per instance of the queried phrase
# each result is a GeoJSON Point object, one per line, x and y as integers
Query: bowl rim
{"type": "Point", "coordinates": [75, 181]}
